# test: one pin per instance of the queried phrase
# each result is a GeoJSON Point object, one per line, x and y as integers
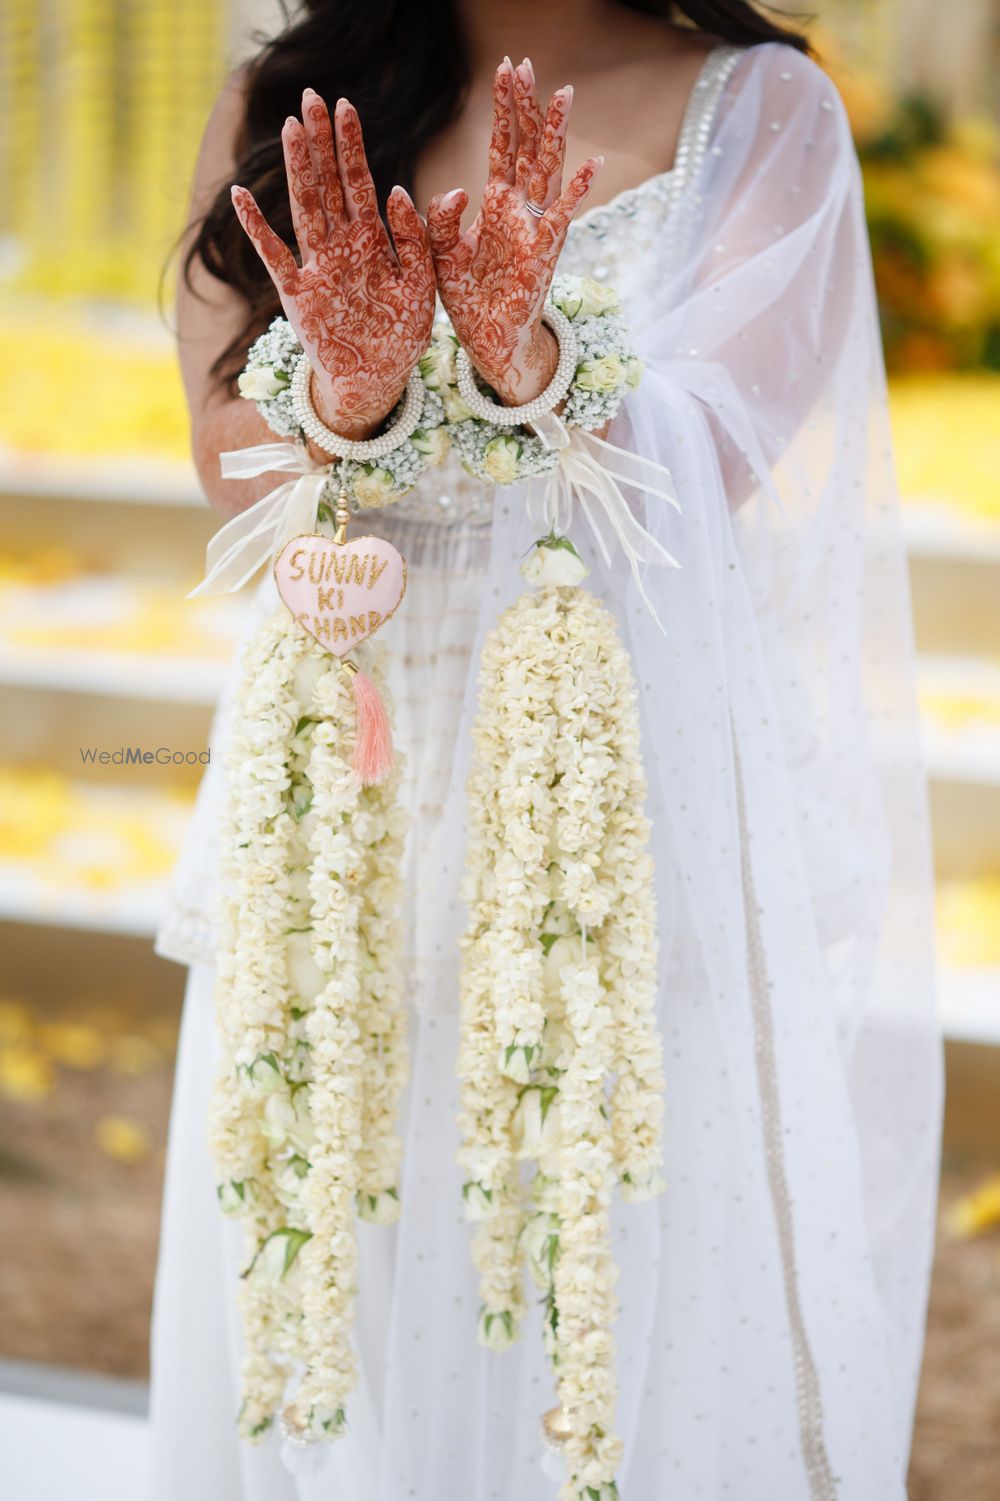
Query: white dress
{"type": "Point", "coordinates": [773, 1298]}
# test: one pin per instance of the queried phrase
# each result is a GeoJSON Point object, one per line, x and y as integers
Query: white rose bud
{"type": "Point", "coordinates": [564, 951]}
{"type": "Point", "coordinates": [434, 444]}
{"type": "Point", "coordinates": [478, 1201]}
{"type": "Point", "coordinates": [554, 564]}
{"type": "Point", "coordinates": [277, 1255]}
{"type": "Point", "coordinates": [569, 302]}
{"type": "Point", "coordinates": [605, 374]}
{"type": "Point", "coordinates": [290, 1178]}
{"type": "Point", "coordinates": [437, 366]}
{"type": "Point", "coordinates": [455, 408]}
{"type": "Point", "coordinates": [633, 373]}
{"type": "Point", "coordinates": [233, 1197]}
{"type": "Point", "coordinates": [378, 1208]}
{"type": "Point", "coordinates": [539, 1239]}
{"type": "Point", "coordinates": [637, 1193]}
{"type": "Point", "coordinates": [516, 1063]}
{"type": "Point", "coordinates": [373, 487]}
{"type": "Point", "coordinates": [287, 1121]}
{"type": "Point", "coordinates": [596, 299]}
{"type": "Point", "coordinates": [535, 1127]}
{"type": "Point", "coordinates": [324, 1422]}
{"type": "Point", "coordinates": [263, 1074]}
{"type": "Point", "coordinates": [496, 1330]}
{"type": "Point", "coordinates": [261, 382]}
{"type": "Point", "coordinates": [500, 459]}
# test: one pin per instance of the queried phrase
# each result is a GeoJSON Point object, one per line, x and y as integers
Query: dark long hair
{"type": "Point", "coordinates": [406, 68]}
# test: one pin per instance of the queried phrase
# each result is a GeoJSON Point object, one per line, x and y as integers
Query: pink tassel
{"type": "Point", "coordinates": [373, 743]}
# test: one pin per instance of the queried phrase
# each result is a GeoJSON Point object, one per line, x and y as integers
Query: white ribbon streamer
{"type": "Point", "coordinates": [240, 547]}
{"type": "Point", "coordinates": [584, 474]}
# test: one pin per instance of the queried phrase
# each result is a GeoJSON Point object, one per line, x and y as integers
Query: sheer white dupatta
{"type": "Point", "coordinates": [791, 834]}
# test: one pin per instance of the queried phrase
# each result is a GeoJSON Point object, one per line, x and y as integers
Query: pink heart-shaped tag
{"type": "Point", "coordinates": [341, 592]}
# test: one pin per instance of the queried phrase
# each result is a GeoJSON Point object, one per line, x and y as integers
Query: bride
{"type": "Point", "coordinates": [772, 1298]}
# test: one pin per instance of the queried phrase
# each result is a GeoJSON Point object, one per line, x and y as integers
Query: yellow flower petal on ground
{"type": "Point", "coordinates": [976, 1211]}
{"type": "Point", "coordinates": [123, 1139]}
{"type": "Point", "coordinates": [73, 1043]}
{"type": "Point", "coordinates": [24, 1074]}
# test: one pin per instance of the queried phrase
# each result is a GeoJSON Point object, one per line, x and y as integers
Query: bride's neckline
{"type": "Point", "coordinates": [656, 180]}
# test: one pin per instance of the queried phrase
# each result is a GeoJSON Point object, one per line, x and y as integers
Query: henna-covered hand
{"type": "Point", "coordinates": [494, 279]}
{"type": "Point", "coordinates": [363, 311]}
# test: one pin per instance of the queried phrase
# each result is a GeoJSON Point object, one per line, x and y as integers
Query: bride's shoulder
{"type": "Point", "coordinates": [774, 63]}
{"type": "Point", "coordinates": [785, 78]}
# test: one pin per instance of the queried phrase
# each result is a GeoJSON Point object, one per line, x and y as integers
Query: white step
{"type": "Point", "coordinates": [60, 1452]}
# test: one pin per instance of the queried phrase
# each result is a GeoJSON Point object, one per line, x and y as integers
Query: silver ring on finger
{"type": "Point", "coordinates": [534, 208]}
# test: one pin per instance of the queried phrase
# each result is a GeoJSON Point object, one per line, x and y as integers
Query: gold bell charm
{"type": "Point", "coordinates": [555, 1427]}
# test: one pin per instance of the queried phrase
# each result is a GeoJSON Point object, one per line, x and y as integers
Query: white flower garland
{"type": "Point", "coordinates": [312, 1025]}
{"type": "Point", "coordinates": [266, 380]}
{"type": "Point", "coordinates": [558, 995]}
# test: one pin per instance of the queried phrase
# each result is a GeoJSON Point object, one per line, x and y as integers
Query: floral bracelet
{"type": "Point", "coordinates": [606, 368]}
{"type": "Point", "coordinates": [268, 379]}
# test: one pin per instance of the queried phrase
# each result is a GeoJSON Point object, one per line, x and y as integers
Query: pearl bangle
{"type": "Point", "coordinates": [491, 411]}
{"type": "Point", "coordinates": [410, 409]}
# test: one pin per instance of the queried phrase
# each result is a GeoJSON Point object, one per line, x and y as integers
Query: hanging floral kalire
{"type": "Point", "coordinates": [560, 1058]}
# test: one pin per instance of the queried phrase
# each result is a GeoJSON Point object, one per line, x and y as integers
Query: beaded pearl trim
{"type": "Point", "coordinates": [665, 190]}
{"type": "Point", "coordinates": [491, 411]}
{"type": "Point", "coordinates": [361, 450]}
{"type": "Point", "coordinates": [809, 1399]}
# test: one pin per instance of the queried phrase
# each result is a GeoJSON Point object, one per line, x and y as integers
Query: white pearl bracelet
{"type": "Point", "coordinates": [347, 448]}
{"type": "Point", "coordinates": [491, 411]}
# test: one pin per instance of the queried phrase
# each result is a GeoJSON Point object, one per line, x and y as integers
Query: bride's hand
{"type": "Point", "coordinates": [494, 280]}
{"type": "Point", "coordinates": [362, 311]}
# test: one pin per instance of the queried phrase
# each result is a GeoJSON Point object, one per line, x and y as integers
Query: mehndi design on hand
{"type": "Point", "coordinates": [494, 279]}
{"type": "Point", "coordinates": [362, 311]}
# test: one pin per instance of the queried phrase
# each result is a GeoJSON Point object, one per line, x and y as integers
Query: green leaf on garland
{"type": "Point", "coordinates": [547, 1094]}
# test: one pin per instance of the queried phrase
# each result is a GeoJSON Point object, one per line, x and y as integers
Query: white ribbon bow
{"type": "Point", "coordinates": [588, 471]}
{"type": "Point", "coordinates": [240, 547]}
